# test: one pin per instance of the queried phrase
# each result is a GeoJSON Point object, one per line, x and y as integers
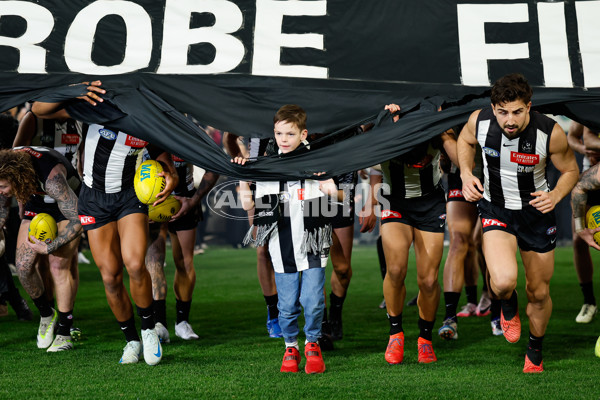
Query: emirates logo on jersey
{"type": "Point", "coordinates": [524, 159]}
{"type": "Point", "coordinates": [454, 193]}
{"type": "Point", "coordinates": [69, 138]}
{"type": "Point", "coordinates": [132, 141]}
{"type": "Point", "coordinates": [492, 222]}
{"type": "Point", "coordinates": [385, 214]}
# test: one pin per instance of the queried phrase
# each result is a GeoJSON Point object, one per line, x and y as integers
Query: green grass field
{"type": "Point", "coordinates": [235, 359]}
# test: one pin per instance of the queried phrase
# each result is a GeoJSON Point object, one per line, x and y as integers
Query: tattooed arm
{"type": "Point", "coordinates": [59, 190]}
{"type": "Point", "coordinates": [4, 209]}
{"type": "Point", "coordinates": [590, 180]}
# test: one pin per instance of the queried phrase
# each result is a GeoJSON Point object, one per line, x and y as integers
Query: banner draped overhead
{"type": "Point", "coordinates": [232, 64]}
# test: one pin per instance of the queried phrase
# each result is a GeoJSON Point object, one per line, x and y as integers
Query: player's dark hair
{"type": "Point", "coordinates": [511, 87]}
{"type": "Point", "coordinates": [16, 168]}
{"type": "Point", "coordinates": [293, 114]}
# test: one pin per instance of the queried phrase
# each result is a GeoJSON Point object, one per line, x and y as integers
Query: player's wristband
{"type": "Point", "coordinates": [579, 224]}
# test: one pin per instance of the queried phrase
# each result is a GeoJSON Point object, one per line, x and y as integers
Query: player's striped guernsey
{"type": "Point", "coordinates": [43, 160]}
{"type": "Point", "coordinates": [514, 168]}
{"type": "Point", "coordinates": [110, 159]}
{"type": "Point", "coordinates": [62, 136]}
{"type": "Point", "coordinates": [185, 171]}
{"type": "Point", "coordinates": [285, 242]}
{"type": "Point", "coordinates": [416, 173]}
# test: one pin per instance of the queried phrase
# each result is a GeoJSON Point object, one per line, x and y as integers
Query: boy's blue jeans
{"type": "Point", "coordinates": [301, 288]}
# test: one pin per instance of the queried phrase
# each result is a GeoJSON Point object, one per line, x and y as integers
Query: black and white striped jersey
{"type": "Point", "coordinates": [514, 168]}
{"type": "Point", "coordinates": [185, 171]}
{"type": "Point", "coordinates": [285, 243]}
{"type": "Point", "coordinates": [416, 173]}
{"type": "Point", "coordinates": [43, 160]}
{"type": "Point", "coordinates": [62, 136]}
{"type": "Point", "coordinates": [110, 158]}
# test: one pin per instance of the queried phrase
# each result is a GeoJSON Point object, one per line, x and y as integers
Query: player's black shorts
{"type": "Point", "coordinates": [37, 205]}
{"type": "Point", "coordinates": [187, 222]}
{"type": "Point", "coordinates": [97, 208]}
{"type": "Point", "coordinates": [534, 231]}
{"type": "Point", "coordinates": [344, 215]}
{"type": "Point", "coordinates": [455, 187]}
{"type": "Point", "coordinates": [426, 213]}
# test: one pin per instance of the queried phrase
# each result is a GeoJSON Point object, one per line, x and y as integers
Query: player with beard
{"type": "Point", "coordinates": [516, 204]}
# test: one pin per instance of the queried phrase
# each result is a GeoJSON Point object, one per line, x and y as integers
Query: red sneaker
{"type": "Point", "coordinates": [511, 328]}
{"type": "Point", "coordinates": [291, 359]}
{"type": "Point", "coordinates": [314, 359]}
{"type": "Point", "coordinates": [426, 354]}
{"type": "Point", "coordinates": [531, 368]}
{"type": "Point", "coordinates": [394, 354]}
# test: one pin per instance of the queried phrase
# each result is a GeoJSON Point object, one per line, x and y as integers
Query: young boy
{"type": "Point", "coordinates": [290, 217]}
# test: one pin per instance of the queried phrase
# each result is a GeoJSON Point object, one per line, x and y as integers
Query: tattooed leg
{"type": "Point", "coordinates": [25, 262]}
{"type": "Point", "coordinates": [155, 259]}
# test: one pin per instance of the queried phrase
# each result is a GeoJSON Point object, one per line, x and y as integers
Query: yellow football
{"type": "Point", "coordinates": [43, 227]}
{"type": "Point", "coordinates": [593, 220]}
{"type": "Point", "coordinates": [165, 210]}
{"type": "Point", "coordinates": [147, 183]}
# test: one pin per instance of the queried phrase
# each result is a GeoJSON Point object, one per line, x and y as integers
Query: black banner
{"type": "Point", "coordinates": [232, 64]}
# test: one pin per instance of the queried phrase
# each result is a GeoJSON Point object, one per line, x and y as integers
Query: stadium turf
{"type": "Point", "coordinates": [235, 358]}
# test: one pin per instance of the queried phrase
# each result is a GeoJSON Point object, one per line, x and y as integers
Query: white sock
{"type": "Point", "coordinates": [292, 344]}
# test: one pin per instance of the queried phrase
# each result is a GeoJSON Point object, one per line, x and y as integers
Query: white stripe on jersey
{"type": "Point", "coordinates": [539, 172]}
{"type": "Point", "coordinates": [91, 143]}
{"type": "Point", "coordinates": [296, 217]}
{"type": "Point", "coordinates": [508, 169]}
{"type": "Point", "coordinates": [113, 170]}
{"type": "Point", "coordinates": [481, 133]}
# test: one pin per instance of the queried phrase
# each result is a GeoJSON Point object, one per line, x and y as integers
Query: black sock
{"type": "Point", "coordinates": [43, 305]}
{"type": "Point", "coordinates": [588, 293]}
{"type": "Point", "coordinates": [65, 322]}
{"type": "Point", "coordinates": [451, 300]}
{"type": "Point", "coordinates": [183, 310]}
{"type": "Point", "coordinates": [147, 316]}
{"type": "Point", "coordinates": [471, 292]}
{"type": "Point", "coordinates": [325, 320]}
{"type": "Point", "coordinates": [510, 307]}
{"type": "Point", "coordinates": [381, 256]}
{"type": "Point", "coordinates": [272, 306]}
{"type": "Point", "coordinates": [534, 349]}
{"type": "Point", "coordinates": [335, 306]}
{"type": "Point", "coordinates": [160, 311]}
{"type": "Point", "coordinates": [128, 329]}
{"type": "Point", "coordinates": [395, 324]}
{"type": "Point", "coordinates": [425, 327]}
{"type": "Point", "coordinates": [495, 309]}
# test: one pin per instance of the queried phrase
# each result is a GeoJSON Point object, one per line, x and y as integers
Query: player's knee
{"type": "Point", "coordinates": [504, 286]}
{"type": "Point", "coordinates": [459, 242]}
{"type": "Point", "coordinates": [538, 294]}
{"type": "Point", "coordinates": [112, 282]}
{"type": "Point", "coordinates": [396, 274]}
{"type": "Point", "coordinates": [343, 272]}
{"type": "Point", "coordinates": [428, 284]}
